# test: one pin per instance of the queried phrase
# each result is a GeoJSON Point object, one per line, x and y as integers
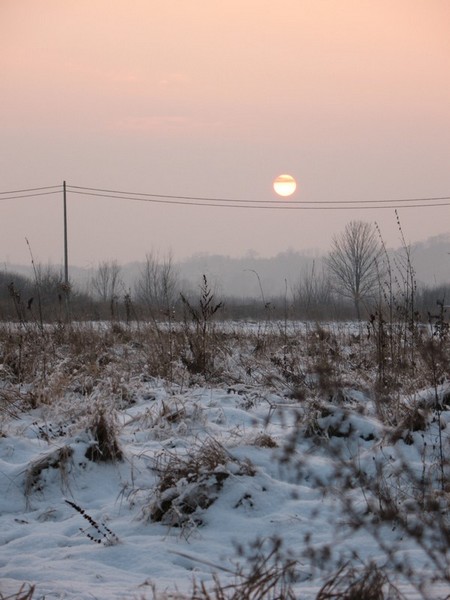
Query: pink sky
{"type": "Point", "coordinates": [217, 98]}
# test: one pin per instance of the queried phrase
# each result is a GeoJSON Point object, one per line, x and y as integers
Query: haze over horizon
{"type": "Point", "coordinates": [244, 276]}
{"type": "Point", "coordinates": [216, 100]}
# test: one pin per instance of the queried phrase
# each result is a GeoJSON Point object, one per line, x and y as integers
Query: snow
{"type": "Point", "coordinates": [262, 491]}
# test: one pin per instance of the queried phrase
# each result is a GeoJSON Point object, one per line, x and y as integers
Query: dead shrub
{"type": "Point", "coordinates": [414, 419]}
{"type": "Point", "coordinates": [104, 446]}
{"type": "Point", "coordinates": [200, 333]}
{"type": "Point", "coordinates": [10, 403]}
{"type": "Point", "coordinates": [264, 440]}
{"type": "Point", "coordinates": [191, 483]}
{"type": "Point", "coordinates": [57, 459]}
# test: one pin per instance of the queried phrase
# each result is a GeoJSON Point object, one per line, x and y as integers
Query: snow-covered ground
{"type": "Point", "coordinates": [211, 476]}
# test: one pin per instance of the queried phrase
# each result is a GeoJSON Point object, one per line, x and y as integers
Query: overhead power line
{"type": "Point", "coordinates": [215, 202]}
{"type": "Point", "coordinates": [47, 187]}
{"type": "Point", "coordinates": [134, 196]}
{"type": "Point", "coordinates": [29, 195]}
{"type": "Point", "coordinates": [263, 204]}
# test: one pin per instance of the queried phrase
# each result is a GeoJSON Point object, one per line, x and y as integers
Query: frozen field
{"type": "Point", "coordinates": [256, 461]}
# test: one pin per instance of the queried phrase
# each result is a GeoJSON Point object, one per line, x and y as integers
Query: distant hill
{"type": "Point", "coordinates": [249, 276]}
{"type": "Point", "coordinates": [431, 260]}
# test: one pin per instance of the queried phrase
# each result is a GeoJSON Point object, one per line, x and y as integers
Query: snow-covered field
{"type": "Point", "coordinates": [126, 474]}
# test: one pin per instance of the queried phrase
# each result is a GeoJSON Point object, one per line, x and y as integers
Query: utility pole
{"type": "Point", "coordinates": [66, 254]}
{"type": "Point", "coordinates": [66, 264]}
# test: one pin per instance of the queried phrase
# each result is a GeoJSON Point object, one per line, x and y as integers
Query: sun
{"type": "Point", "coordinates": [284, 185]}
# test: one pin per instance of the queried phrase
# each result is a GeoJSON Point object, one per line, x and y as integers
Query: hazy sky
{"type": "Point", "coordinates": [216, 98]}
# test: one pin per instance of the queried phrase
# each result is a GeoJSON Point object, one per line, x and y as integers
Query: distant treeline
{"type": "Point", "coordinates": [157, 295]}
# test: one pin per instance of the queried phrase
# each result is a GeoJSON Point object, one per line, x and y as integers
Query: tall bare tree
{"type": "Point", "coordinates": [107, 281]}
{"type": "Point", "coordinates": [156, 287]}
{"type": "Point", "coordinates": [354, 262]}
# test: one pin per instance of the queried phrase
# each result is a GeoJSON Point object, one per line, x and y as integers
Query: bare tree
{"type": "Point", "coordinates": [354, 262]}
{"type": "Point", "coordinates": [312, 293]}
{"type": "Point", "coordinates": [107, 281]}
{"type": "Point", "coordinates": [156, 287]}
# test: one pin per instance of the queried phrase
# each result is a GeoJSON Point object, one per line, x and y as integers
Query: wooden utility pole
{"type": "Point", "coordinates": [66, 264]}
{"type": "Point", "coordinates": [66, 255]}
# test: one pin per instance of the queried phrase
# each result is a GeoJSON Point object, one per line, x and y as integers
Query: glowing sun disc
{"type": "Point", "coordinates": [284, 185]}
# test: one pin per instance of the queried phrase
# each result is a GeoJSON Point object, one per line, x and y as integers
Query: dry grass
{"type": "Point", "coordinates": [349, 583]}
{"type": "Point", "coordinates": [104, 446]}
{"type": "Point", "coordinates": [82, 358]}
{"type": "Point", "coordinates": [264, 440]}
{"type": "Point", "coordinates": [25, 592]}
{"type": "Point", "coordinates": [11, 402]}
{"type": "Point", "coordinates": [190, 483]}
{"type": "Point", "coordinates": [55, 459]}
{"type": "Point", "coordinates": [267, 572]}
